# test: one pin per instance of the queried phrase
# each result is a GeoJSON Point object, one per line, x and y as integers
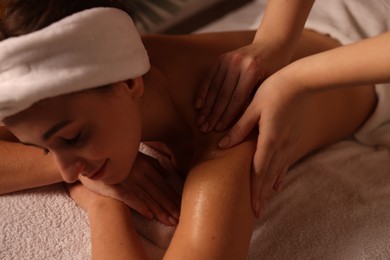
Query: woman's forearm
{"type": "Point", "coordinates": [364, 62]}
{"type": "Point", "coordinates": [23, 167]}
{"type": "Point", "coordinates": [112, 233]}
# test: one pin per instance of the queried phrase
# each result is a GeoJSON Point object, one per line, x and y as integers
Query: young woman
{"type": "Point", "coordinates": [87, 97]}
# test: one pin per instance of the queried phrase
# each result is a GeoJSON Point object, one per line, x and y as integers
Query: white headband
{"type": "Point", "coordinates": [88, 49]}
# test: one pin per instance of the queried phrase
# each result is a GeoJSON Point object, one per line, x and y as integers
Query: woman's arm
{"type": "Point", "coordinates": [23, 167]}
{"type": "Point", "coordinates": [112, 233]}
{"type": "Point", "coordinates": [216, 219]}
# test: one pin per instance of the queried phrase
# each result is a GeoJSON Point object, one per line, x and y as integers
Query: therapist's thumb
{"type": "Point", "coordinates": [241, 129]}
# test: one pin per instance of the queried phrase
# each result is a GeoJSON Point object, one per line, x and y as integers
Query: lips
{"type": "Point", "coordinates": [99, 173]}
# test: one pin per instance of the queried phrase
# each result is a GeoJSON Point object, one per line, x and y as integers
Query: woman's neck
{"type": "Point", "coordinates": [161, 121]}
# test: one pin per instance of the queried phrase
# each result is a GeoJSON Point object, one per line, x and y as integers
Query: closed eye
{"type": "Point", "coordinates": [72, 141]}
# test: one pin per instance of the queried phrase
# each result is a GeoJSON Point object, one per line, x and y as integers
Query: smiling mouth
{"type": "Point", "coordinates": [99, 173]}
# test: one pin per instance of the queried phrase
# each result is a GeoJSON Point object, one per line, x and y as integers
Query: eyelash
{"type": "Point", "coordinates": [74, 140]}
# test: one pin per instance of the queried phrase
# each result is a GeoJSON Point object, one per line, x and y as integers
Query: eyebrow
{"type": "Point", "coordinates": [54, 129]}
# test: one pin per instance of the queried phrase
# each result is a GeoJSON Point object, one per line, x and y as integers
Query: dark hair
{"type": "Point", "coordinates": [26, 16]}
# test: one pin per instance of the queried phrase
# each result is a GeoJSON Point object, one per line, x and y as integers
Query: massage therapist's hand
{"type": "Point", "coordinates": [278, 111]}
{"type": "Point", "coordinates": [144, 190]}
{"type": "Point", "coordinates": [228, 87]}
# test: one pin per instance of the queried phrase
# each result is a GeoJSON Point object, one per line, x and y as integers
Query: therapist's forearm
{"type": "Point", "coordinates": [283, 21]}
{"type": "Point", "coordinates": [364, 62]}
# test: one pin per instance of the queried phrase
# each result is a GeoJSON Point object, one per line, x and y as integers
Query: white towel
{"type": "Point", "coordinates": [88, 49]}
{"type": "Point", "coordinates": [335, 205]}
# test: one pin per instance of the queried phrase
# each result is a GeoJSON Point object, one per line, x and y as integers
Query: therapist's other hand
{"type": "Point", "coordinates": [228, 87]}
{"type": "Point", "coordinates": [278, 111]}
{"type": "Point", "coordinates": [145, 190]}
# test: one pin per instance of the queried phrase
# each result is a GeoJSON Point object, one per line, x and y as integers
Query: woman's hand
{"type": "Point", "coordinates": [84, 197]}
{"type": "Point", "coordinates": [144, 190]}
{"type": "Point", "coordinates": [278, 111]}
{"type": "Point", "coordinates": [228, 87]}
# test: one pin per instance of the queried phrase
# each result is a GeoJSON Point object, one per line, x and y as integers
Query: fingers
{"type": "Point", "coordinates": [270, 165]}
{"type": "Point", "coordinates": [154, 207]}
{"type": "Point", "coordinates": [163, 194]}
{"type": "Point", "coordinates": [239, 100]}
{"type": "Point", "coordinates": [226, 88]}
{"type": "Point", "coordinates": [277, 169]}
{"type": "Point", "coordinates": [153, 189]}
{"type": "Point", "coordinates": [261, 161]}
{"type": "Point", "coordinates": [204, 88]}
{"type": "Point", "coordinates": [213, 111]}
{"type": "Point", "coordinates": [135, 200]}
{"type": "Point", "coordinates": [212, 95]}
{"type": "Point", "coordinates": [280, 179]}
{"type": "Point", "coordinates": [241, 129]}
{"type": "Point", "coordinates": [157, 185]}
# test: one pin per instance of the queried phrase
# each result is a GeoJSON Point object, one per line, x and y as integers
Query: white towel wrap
{"type": "Point", "coordinates": [88, 49]}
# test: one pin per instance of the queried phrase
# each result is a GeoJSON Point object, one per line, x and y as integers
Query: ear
{"type": "Point", "coordinates": [136, 87]}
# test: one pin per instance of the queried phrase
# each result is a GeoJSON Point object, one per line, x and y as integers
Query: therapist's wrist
{"type": "Point", "coordinates": [278, 39]}
{"type": "Point", "coordinates": [289, 81]}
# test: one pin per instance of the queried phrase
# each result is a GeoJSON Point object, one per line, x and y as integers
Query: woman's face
{"type": "Point", "coordinates": [93, 133]}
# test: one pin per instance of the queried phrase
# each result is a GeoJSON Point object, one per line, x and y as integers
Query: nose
{"type": "Point", "coordinates": [70, 167]}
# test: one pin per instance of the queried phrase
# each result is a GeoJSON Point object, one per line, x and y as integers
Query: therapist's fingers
{"type": "Point", "coordinates": [280, 180]}
{"type": "Point", "coordinates": [276, 167]}
{"type": "Point", "coordinates": [205, 86]}
{"type": "Point", "coordinates": [239, 100]}
{"type": "Point", "coordinates": [248, 121]}
{"type": "Point", "coordinates": [212, 94]}
{"type": "Point", "coordinates": [261, 161]}
{"type": "Point", "coordinates": [222, 101]}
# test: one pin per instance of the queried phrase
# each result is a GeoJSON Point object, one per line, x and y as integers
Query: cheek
{"type": "Point", "coordinates": [128, 145]}
{"type": "Point", "coordinates": [122, 144]}
{"type": "Point", "coordinates": [119, 136]}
